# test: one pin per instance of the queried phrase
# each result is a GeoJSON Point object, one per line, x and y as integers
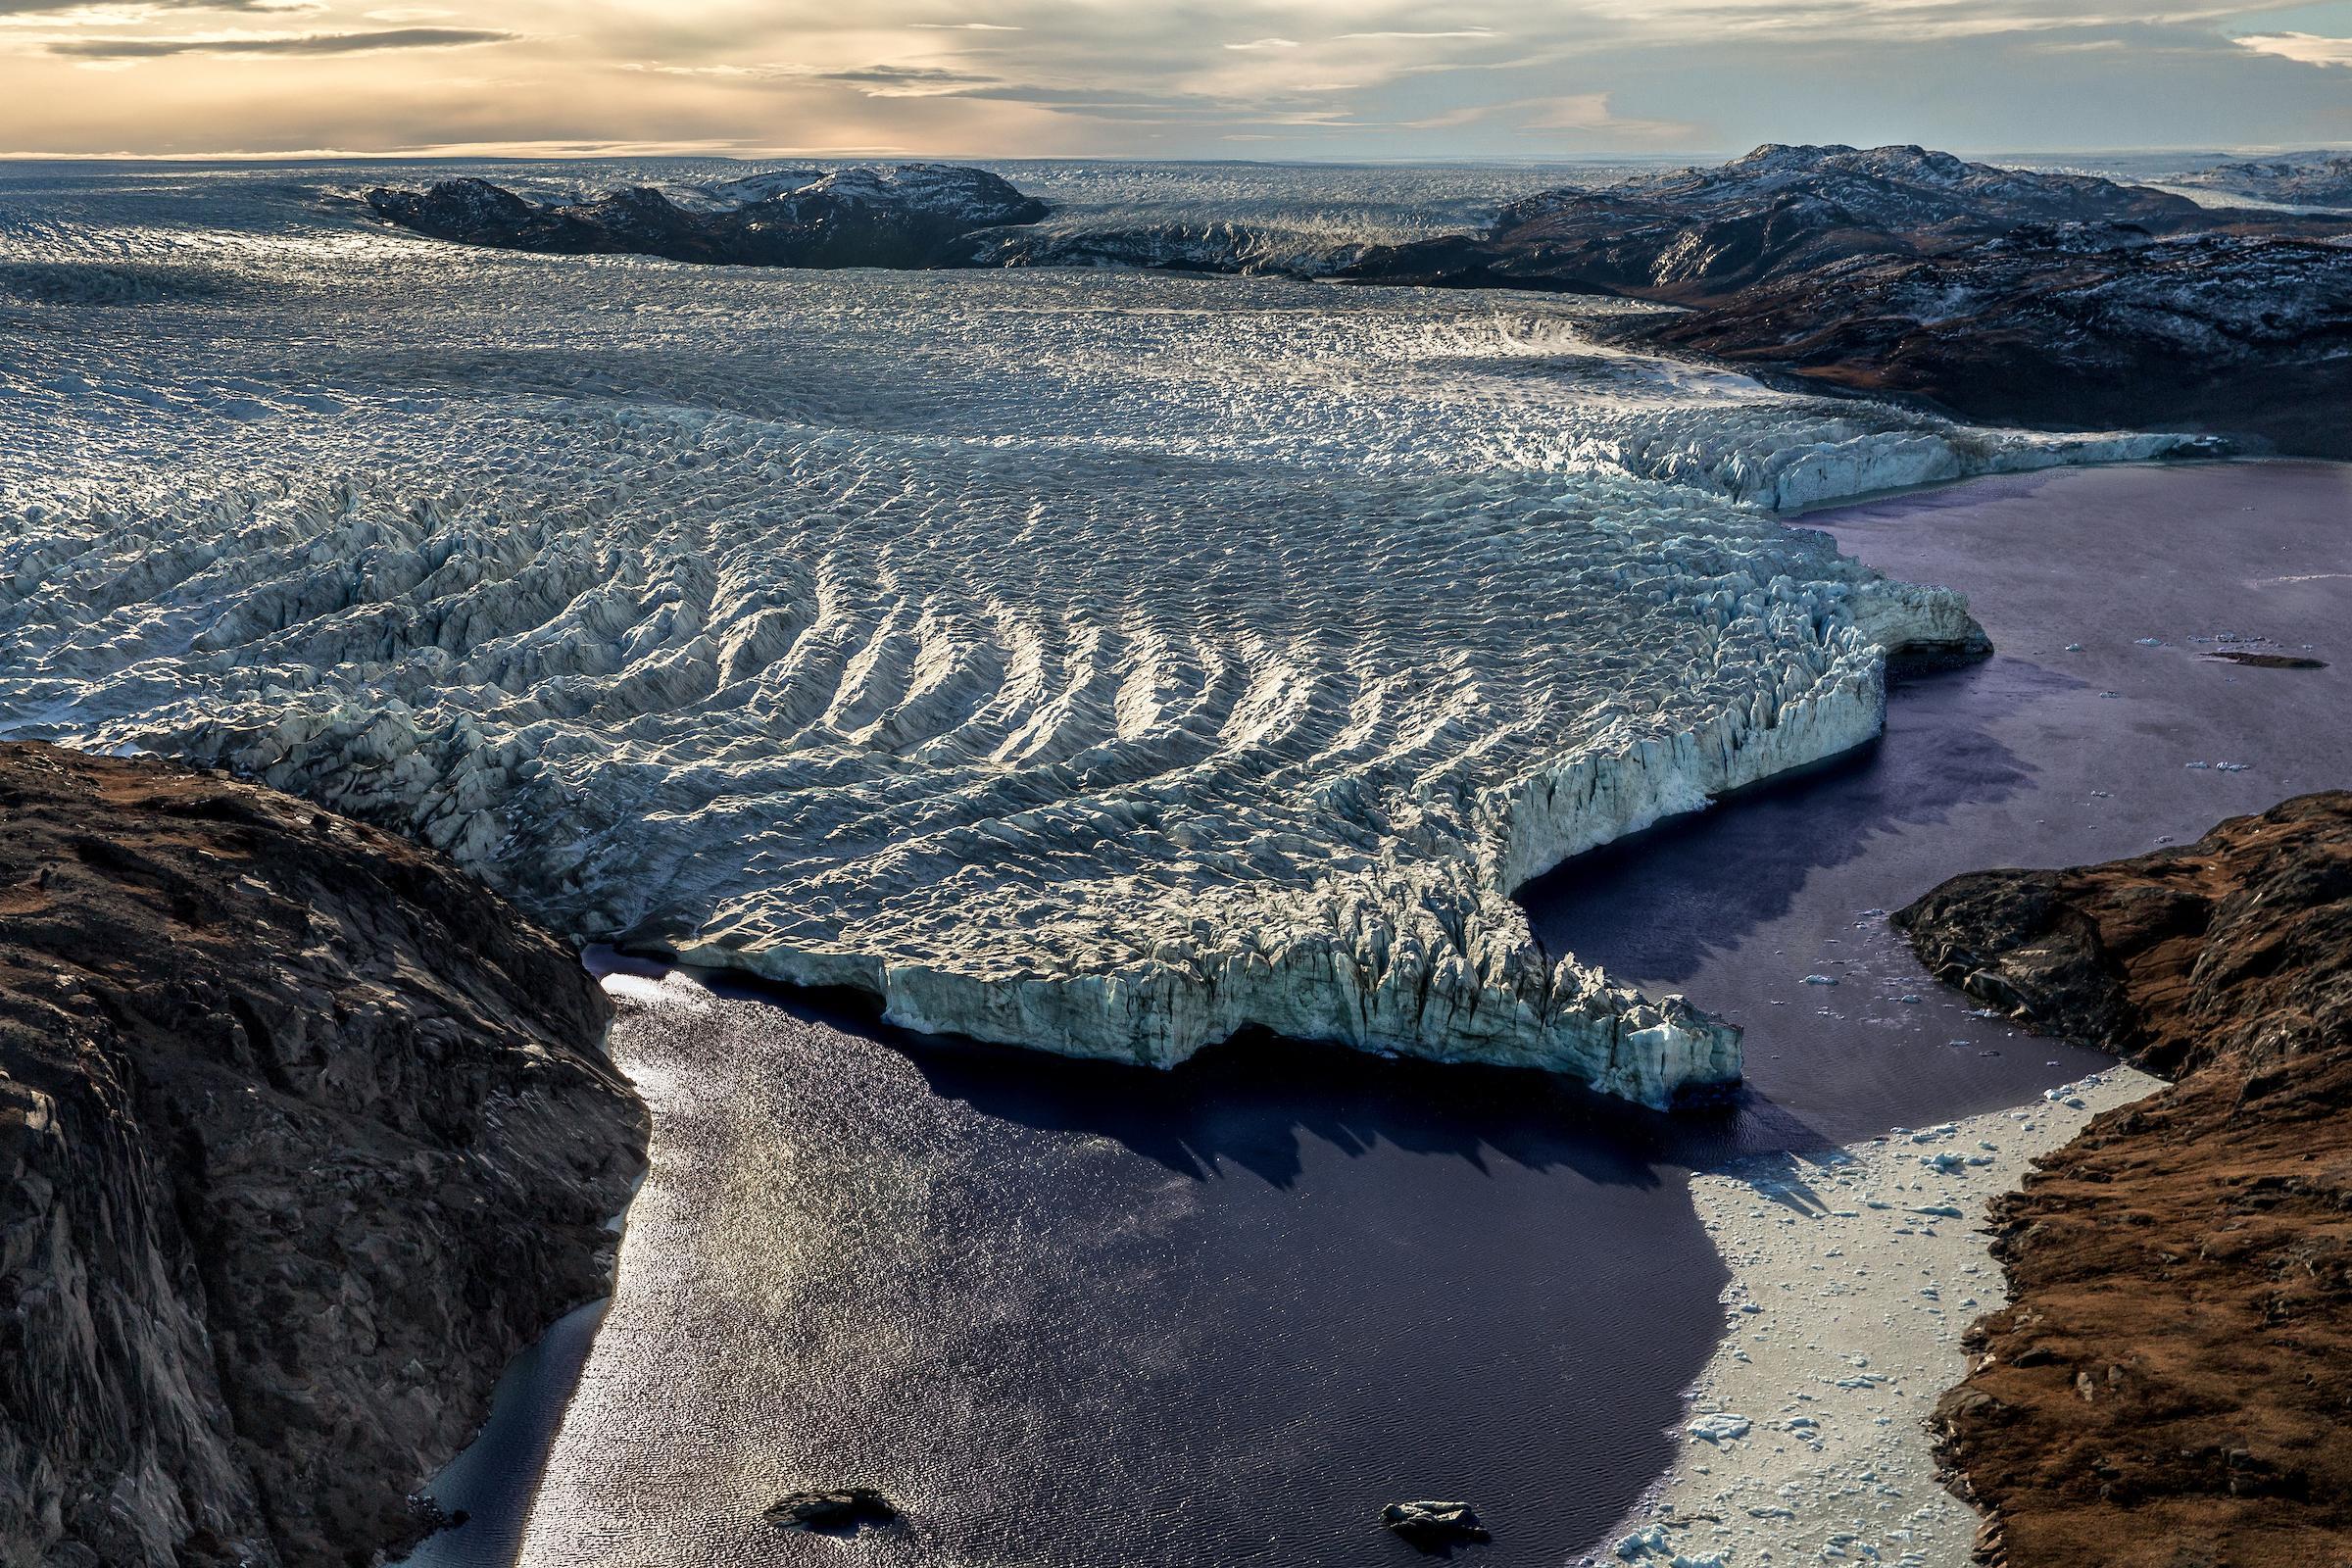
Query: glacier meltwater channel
{"type": "Point", "coordinates": [1095, 660]}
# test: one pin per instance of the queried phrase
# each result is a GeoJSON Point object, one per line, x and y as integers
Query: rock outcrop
{"type": "Point", "coordinates": [1700, 236]}
{"type": "Point", "coordinates": [2059, 301]}
{"type": "Point", "coordinates": [2072, 326]}
{"type": "Point", "coordinates": [1435, 1525]}
{"type": "Point", "coordinates": [845, 1508]}
{"type": "Point", "coordinates": [2171, 1381]}
{"type": "Point", "coordinates": [304, 1136]}
{"type": "Point", "coordinates": [902, 216]}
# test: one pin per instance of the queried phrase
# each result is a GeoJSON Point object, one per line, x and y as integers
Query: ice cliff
{"type": "Point", "coordinates": [1101, 662]}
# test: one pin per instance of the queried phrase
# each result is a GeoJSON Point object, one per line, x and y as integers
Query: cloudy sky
{"type": "Point", "coordinates": [1176, 78]}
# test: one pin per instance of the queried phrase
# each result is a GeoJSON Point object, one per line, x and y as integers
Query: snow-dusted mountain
{"type": "Point", "coordinates": [896, 216]}
{"type": "Point", "coordinates": [2300, 179]}
{"type": "Point", "coordinates": [1893, 188]}
{"type": "Point", "coordinates": [2008, 295]}
{"type": "Point", "coordinates": [1698, 234]}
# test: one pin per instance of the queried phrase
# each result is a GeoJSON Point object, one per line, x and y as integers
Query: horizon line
{"type": "Point", "coordinates": [737, 152]}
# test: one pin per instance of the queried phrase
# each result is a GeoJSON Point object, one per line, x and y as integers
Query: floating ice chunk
{"type": "Point", "coordinates": [1719, 1427]}
{"type": "Point", "coordinates": [1647, 1541]}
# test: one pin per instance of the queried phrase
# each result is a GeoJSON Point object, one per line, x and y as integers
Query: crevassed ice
{"type": "Point", "coordinates": [1104, 663]}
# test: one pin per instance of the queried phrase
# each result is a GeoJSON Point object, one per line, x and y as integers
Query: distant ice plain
{"type": "Point", "coordinates": [1103, 661]}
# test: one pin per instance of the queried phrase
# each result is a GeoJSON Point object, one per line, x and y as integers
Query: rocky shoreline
{"type": "Point", "coordinates": [307, 1135]}
{"type": "Point", "coordinates": [2170, 1382]}
{"type": "Point", "coordinates": [2069, 326]}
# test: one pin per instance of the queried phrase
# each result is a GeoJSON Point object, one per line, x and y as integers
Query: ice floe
{"type": "Point", "coordinates": [1854, 1275]}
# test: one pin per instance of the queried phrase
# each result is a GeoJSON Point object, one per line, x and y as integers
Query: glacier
{"type": "Point", "coordinates": [1103, 661]}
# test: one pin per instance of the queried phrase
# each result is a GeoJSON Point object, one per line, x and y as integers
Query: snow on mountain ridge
{"type": "Point", "coordinates": [2310, 179]}
{"type": "Point", "coordinates": [946, 187]}
{"type": "Point", "coordinates": [1892, 187]}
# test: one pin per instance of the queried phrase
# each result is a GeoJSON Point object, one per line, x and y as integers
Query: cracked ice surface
{"type": "Point", "coordinates": [1097, 661]}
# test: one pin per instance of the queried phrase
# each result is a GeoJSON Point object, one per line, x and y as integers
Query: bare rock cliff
{"type": "Point", "coordinates": [304, 1134]}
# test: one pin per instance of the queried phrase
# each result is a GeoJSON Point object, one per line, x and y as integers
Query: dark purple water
{"type": "Point", "coordinates": [2040, 756]}
{"type": "Point", "coordinates": [1081, 1315]}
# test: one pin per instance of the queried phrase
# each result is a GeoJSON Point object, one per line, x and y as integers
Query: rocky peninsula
{"type": "Point", "coordinates": [2078, 324]}
{"type": "Point", "coordinates": [2170, 1380]}
{"type": "Point", "coordinates": [306, 1135]}
{"type": "Point", "coordinates": [1697, 236]}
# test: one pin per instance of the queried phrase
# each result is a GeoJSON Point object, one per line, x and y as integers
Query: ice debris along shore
{"type": "Point", "coordinates": [1853, 1278]}
{"type": "Point", "coordinates": [1101, 662]}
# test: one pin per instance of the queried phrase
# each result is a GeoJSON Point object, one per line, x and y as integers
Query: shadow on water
{"type": "Point", "coordinates": [486, 1490]}
{"type": "Point", "coordinates": [1257, 1101]}
{"type": "Point", "coordinates": [1659, 904]}
{"type": "Point", "coordinates": [1499, 1282]}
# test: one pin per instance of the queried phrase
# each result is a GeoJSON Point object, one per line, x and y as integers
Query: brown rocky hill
{"type": "Point", "coordinates": [2170, 1385]}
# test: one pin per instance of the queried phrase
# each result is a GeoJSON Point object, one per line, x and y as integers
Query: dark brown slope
{"type": "Point", "coordinates": [2244, 332]}
{"type": "Point", "coordinates": [305, 1135]}
{"type": "Point", "coordinates": [2172, 1384]}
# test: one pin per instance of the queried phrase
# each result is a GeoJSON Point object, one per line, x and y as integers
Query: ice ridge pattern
{"type": "Point", "coordinates": [1099, 662]}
